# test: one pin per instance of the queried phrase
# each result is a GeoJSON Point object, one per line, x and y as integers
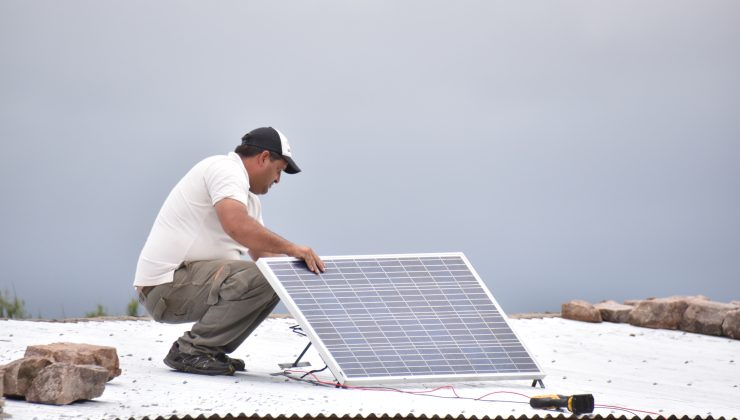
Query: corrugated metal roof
{"type": "Point", "coordinates": [649, 371]}
{"type": "Point", "coordinates": [243, 416]}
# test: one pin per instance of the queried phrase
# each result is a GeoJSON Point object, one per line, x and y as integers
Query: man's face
{"type": "Point", "coordinates": [268, 173]}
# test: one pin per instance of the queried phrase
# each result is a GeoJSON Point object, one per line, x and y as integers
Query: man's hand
{"type": "Point", "coordinates": [261, 242]}
{"type": "Point", "coordinates": [313, 262]}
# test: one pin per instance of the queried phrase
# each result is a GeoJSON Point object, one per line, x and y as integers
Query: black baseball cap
{"type": "Point", "coordinates": [271, 139]}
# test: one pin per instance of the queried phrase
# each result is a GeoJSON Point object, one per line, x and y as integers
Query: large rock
{"type": "Point", "coordinates": [705, 317]}
{"type": "Point", "coordinates": [664, 313]}
{"type": "Point", "coordinates": [79, 354]}
{"type": "Point", "coordinates": [612, 311]}
{"type": "Point", "coordinates": [63, 383]}
{"type": "Point", "coordinates": [731, 324]}
{"type": "Point", "coordinates": [2, 400]}
{"type": "Point", "coordinates": [20, 373]}
{"type": "Point", "coordinates": [580, 310]}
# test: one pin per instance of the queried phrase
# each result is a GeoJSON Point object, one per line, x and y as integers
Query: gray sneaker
{"type": "Point", "coordinates": [203, 364]}
{"type": "Point", "coordinates": [238, 364]}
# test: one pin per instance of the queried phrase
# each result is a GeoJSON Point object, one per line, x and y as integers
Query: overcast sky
{"type": "Point", "coordinates": [571, 149]}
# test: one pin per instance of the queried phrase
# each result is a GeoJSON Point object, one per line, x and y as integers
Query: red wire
{"type": "Point", "coordinates": [629, 410]}
{"type": "Point", "coordinates": [609, 407]}
{"type": "Point", "coordinates": [503, 392]}
{"type": "Point", "coordinates": [454, 392]}
{"type": "Point", "coordinates": [316, 379]}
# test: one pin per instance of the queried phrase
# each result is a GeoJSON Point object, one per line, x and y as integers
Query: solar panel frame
{"type": "Point", "coordinates": [347, 379]}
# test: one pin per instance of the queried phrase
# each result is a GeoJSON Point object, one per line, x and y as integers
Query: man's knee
{"type": "Point", "coordinates": [246, 281]}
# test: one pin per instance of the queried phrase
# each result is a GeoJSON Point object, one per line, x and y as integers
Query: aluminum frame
{"type": "Point", "coordinates": [332, 364]}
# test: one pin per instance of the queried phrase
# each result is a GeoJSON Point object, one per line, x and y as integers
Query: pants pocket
{"type": "Point", "coordinates": [158, 309]}
{"type": "Point", "coordinates": [161, 314]}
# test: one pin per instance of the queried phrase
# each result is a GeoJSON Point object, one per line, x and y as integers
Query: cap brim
{"type": "Point", "coordinates": [292, 168]}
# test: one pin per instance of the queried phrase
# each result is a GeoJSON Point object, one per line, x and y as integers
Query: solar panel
{"type": "Point", "coordinates": [401, 318]}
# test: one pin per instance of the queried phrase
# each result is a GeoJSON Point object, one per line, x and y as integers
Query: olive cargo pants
{"type": "Point", "coordinates": [227, 299]}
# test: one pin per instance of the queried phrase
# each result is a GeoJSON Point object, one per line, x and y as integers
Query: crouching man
{"type": "Point", "coordinates": [191, 270]}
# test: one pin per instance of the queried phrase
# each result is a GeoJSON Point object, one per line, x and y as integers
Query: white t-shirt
{"type": "Point", "coordinates": [187, 226]}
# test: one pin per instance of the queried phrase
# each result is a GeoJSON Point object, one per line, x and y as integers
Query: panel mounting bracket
{"type": "Point", "coordinates": [297, 362]}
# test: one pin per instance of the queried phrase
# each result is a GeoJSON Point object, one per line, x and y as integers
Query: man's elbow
{"type": "Point", "coordinates": [233, 230]}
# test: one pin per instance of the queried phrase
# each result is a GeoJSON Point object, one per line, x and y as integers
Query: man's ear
{"type": "Point", "coordinates": [263, 157]}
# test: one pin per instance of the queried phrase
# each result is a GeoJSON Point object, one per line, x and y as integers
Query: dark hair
{"type": "Point", "coordinates": [248, 150]}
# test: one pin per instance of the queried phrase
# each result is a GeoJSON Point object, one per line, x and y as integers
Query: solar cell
{"type": "Point", "coordinates": [390, 318]}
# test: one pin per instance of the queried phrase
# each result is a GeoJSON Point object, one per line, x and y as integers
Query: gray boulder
{"type": "Point", "coordinates": [20, 373]}
{"type": "Point", "coordinates": [731, 324]}
{"type": "Point", "coordinates": [665, 313]}
{"type": "Point", "coordinates": [79, 354]}
{"type": "Point", "coordinates": [580, 310]}
{"type": "Point", "coordinates": [63, 383]}
{"type": "Point", "coordinates": [612, 311]}
{"type": "Point", "coordinates": [705, 317]}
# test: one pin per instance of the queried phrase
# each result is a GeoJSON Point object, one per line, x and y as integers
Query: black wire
{"type": "Point", "coordinates": [298, 330]}
{"type": "Point", "coordinates": [314, 371]}
{"type": "Point", "coordinates": [308, 381]}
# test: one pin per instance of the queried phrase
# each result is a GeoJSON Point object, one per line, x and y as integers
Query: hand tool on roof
{"type": "Point", "coordinates": [576, 404]}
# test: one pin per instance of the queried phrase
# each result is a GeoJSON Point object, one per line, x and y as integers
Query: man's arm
{"type": "Point", "coordinates": [249, 232]}
{"type": "Point", "coordinates": [257, 255]}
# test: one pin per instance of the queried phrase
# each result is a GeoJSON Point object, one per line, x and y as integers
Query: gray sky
{"type": "Point", "coordinates": [571, 149]}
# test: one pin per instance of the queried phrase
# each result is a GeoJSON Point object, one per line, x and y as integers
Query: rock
{"type": "Point", "coordinates": [659, 313]}
{"type": "Point", "coordinates": [632, 302]}
{"type": "Point", "coordinates": [705, 317]}
{"type": "Point", "coordinates": [64, 383]}
{"type": "Point", "coordinates": [695, 297]}
{"type": "Point", "coordinates": [731, 324]}
{"type": "Point", "coordinates": [79, 354]}
{"type": "Point", "coordinates": [735, 303]}
{"type": "Point", "coordinates": [580, 310]}
{"type": "Point", "coordinates": [612, 311]}
{"type": "Point", "coordinates": [2, 400]}
{"type": "Point", "coordinates": [20, 373]}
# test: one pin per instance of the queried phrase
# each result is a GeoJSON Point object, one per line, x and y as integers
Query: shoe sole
{"type": "Point", "coordinates": [190, 369]}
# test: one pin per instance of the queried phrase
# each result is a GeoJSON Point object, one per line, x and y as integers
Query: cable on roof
{"type": "Point", "coordinates": [424, 393]}
{"type": "Point", "coordinates": [427, 393]}
{"type": "Point", "coordinates": [311, 372]}
{"type": "Point", "coordinates": [298, 330]}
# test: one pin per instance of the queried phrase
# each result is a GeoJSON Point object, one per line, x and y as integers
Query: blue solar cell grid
{"type": "Point", "coordinates": [409, 317]}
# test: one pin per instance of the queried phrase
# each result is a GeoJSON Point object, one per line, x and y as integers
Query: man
{"type": "Point", "coordinates": [191, 268]}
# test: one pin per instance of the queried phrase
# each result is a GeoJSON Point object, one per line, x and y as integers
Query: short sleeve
{"type": "Point", "coordinates": [224, 179]}
{"type": "Point", "coordinates": [255, 208]}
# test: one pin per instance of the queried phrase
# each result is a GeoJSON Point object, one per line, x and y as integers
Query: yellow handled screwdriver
{"type": "Point", "coordinates": [576, 404]}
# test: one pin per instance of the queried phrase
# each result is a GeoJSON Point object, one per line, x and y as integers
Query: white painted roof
{"type": "Point", "coordinates": [665, 372]}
